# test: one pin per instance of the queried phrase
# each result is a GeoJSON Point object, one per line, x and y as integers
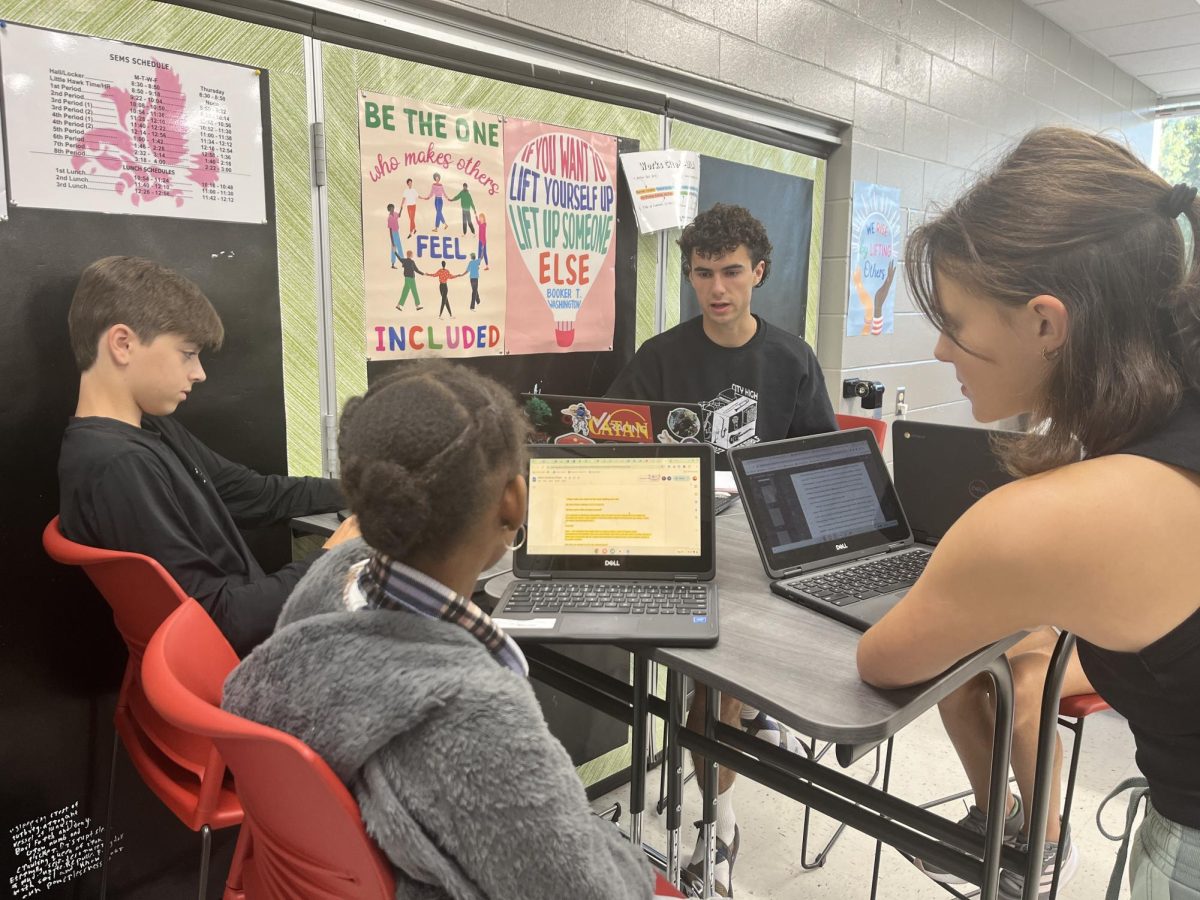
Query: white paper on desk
{"type": "Point", "coordinates": [525, 624]}
{"type": "Point", "coordinates": [723, 481]}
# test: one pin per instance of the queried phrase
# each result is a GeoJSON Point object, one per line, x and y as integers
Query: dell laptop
{"type": "Point", "coordinates": [940, 471]}
{"type": "Point", "coordinates": [571, 419]}
{"type": "Point", "coordinates": [828, 524]}
{"type": "Point", "coordinates": [619, 548]}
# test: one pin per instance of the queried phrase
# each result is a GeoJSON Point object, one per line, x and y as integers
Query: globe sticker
{"type": "Point", "coordinates": [561, 198]}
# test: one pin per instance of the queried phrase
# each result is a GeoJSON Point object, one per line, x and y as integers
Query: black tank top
{"type": "Point", "coordinates": [1158, 688]}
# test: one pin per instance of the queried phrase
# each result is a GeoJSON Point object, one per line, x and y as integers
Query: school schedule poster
{"type": "Point", "coordinates": [120, 128]}
{"type": "Point", "coordinates": [483, 235]}
{"type": "Point", "coordinates": [874, 245]}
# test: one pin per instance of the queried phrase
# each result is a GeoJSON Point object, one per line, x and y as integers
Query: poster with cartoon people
{"type": "Point", "coordinates": [482, 235]}
{"type": "Point", "coordinates": [874, 249]}
{"type": "Point", "coordinates": [432, 178]}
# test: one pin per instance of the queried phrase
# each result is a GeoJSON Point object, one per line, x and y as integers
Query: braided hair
{"type": "Point", "coordinates": [422, 450]}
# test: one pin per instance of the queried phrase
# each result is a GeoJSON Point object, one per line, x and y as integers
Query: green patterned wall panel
{"type": "Point", "coordinates": [202, 34]}
{"type": "Point", "coordinates": [751, 153]}
{"type": "Point", "coordinates": [345, 73]}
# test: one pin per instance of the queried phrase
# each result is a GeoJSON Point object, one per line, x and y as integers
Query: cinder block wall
{"type": "Point", "coordinates": [931, 91]}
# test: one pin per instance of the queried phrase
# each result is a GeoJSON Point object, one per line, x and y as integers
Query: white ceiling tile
{"type": "Point", "coordinates": [1152, 62]}
{"type": "Point", "coordinates": [1153, 35]}
{"type": "Point", "coordinates": [1185, 81]}
{"type": "Point", "coordinates": [1081, 16]}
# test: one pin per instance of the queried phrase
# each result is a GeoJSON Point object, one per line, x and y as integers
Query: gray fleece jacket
{"type": "Point", "coordinates": [458, 778]}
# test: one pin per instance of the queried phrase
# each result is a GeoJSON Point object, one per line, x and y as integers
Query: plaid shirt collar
{"type": "Point", "coordinates": [387, 584]}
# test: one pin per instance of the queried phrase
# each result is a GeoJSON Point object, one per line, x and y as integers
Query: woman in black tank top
{"type": "Point", "coordinates": [1063, 287]}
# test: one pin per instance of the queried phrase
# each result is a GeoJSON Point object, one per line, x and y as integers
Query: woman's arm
{"type": "Point", "coordinates": [981, 585]}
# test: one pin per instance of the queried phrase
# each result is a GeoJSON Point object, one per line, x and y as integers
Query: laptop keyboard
{"type": "Point", "coordinates": [635, 598]}
{"type": "Point", "coordinates": [865, 580]}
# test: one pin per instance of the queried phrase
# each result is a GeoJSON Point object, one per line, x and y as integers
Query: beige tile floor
{"type": "Point", "coordinates": [924, 766]}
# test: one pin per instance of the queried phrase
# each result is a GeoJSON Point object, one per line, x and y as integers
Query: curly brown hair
{"type": "Point", "coordinates": [722, 230]}
{"type": "Point", "coordinates": [1079, 217]}
{"type": "Point", "coordinates": [421, 451]}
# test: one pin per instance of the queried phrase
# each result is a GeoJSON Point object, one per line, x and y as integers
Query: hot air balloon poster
{"type": "Point", "coordinates": [120, 128]}
{"type": "Point", "coordinates": [561, 197]}
{"type": "Point", "coordinates": [433, 229]}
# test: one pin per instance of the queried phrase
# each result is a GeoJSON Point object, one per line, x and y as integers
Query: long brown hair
{"type": "Point", "coordinates": [1079, 217]}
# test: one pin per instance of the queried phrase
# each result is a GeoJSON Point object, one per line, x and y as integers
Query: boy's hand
{"type": "Point", "coordinates": [345, 532]}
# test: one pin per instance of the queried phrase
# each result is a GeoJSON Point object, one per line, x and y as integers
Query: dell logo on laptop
{"type": "Point", "coordinates": [612, 562]}
{"type": "Point", "coordinates": [841, 546]}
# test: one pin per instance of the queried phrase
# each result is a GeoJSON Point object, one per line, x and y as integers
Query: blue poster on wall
{"type": "Point", "coordinates": [874, 247]}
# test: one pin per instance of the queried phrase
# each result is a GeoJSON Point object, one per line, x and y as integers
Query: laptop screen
{"type": "Point", "coordinates": [817, 498]}
{"type": "Point", "coordinates": [619, 510]}
{"type": "Point", "coordinates": [941, 470]}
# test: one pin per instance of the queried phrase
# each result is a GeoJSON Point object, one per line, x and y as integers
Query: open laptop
{"type": "Point", "coordinates": [828, 524]}
{"type": "Point", "coordinates": [620, 547]}
{"type": "Point", "coordinates": [572, 419]}
{"type": "Point", "coordinates": [940, 471]}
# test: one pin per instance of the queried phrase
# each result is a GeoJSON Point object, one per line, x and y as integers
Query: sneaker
{"type": "Point", "coordinates": [773, 732]}
{"type": "Point", "coordinates": [722, 870]}
{"type": "Point", "coordinates": [976, 820]}
{"type": "Point", "coordinates": [1013, 883]}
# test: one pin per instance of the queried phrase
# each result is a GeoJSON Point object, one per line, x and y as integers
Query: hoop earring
{"type": "Point", "coordinates": [516, 545]}
{"type": "Point", "coordinates": [1051, 355]}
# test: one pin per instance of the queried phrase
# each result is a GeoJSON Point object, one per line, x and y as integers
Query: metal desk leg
{"type": "Point", "coordinates": [652, 749]}
{"type": "Point", "coordinates": [1047, 739]}
{"type": "Point", "coordinates": [638, 754]}
{"type": "Point", "coordinates": [712, 710]}
{"type": "Point", "coordinates": [887, 777]}
{"type": "Point", "coordinates": [674, 764]}
{"type": "Point", "coordinates": [1001, 750]}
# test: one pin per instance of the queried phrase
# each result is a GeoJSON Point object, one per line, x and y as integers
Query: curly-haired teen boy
{"type": "Point", "coordinates": [757, 383]}
{"type": "Point", "coordinates": [130, 478]}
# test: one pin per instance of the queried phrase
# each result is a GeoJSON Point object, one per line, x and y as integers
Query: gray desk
{"type": "Point", "coordinates": [799, 667]}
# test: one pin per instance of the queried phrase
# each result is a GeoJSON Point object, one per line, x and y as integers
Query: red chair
{"type": "Point", "coordinates": [182, 769]}
{"type": "Point", "coordinates": [303, 838]}
{"type": "Point", "coordinates": [1071, 713]}
{"type": "Point", "coordinates": [878, 426]}
{"type": "Point", "coordinates": [664, 888]}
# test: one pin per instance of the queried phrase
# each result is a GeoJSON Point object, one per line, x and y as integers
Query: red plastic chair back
{"type": "Point", "coordinates": [306, 836]}
{"type": "Point", "coordinates": [878, 426]}
{"type": "Point", "coordinates": [1081, 705]}
{"type": "Point", "coordinates": [664, 888]}
{"type": "Point", "coordinates": [181, 768]}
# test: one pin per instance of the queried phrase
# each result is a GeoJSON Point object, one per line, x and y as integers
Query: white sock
{"type": "Point", "coordinates": [725, 818]}
{"type": "Point", "coordinates": [748, 712]}
{"type": "Point", "coordinates": [726, 822]}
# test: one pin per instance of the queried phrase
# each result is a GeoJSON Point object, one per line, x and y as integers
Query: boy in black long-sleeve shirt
{"type": "Point", "coordinates": [132, 479]}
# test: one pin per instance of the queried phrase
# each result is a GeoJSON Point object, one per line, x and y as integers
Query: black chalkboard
{"type": "Point", "coordinates": [60, 657]}
{"type": "Point", "coordinates": [784, 204]}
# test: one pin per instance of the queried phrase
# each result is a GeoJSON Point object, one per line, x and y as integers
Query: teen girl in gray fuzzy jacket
{"type": "Point", "coordinates": [418, 702]}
